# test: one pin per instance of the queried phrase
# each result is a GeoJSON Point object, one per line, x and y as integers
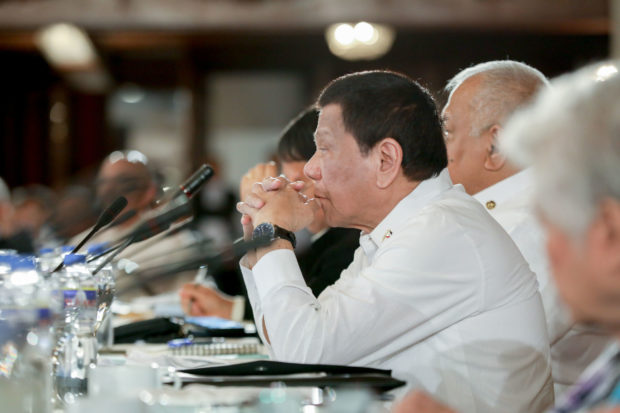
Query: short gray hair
{"type": "Point", "coordinates": [506, 86]}
{"type": "Point", "coordinates": [571, 135]}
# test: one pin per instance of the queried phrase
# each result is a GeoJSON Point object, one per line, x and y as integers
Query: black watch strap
{"type": "Point", "coordinates": [280, 232]}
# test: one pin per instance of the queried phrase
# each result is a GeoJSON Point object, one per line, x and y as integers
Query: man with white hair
{"type": "Point", "coordinates": [571, 136]}
{"type": "Point", "coordinates": [481, 100]}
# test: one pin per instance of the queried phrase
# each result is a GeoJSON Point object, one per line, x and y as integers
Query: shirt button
{"type": "Point", "coordinates": [490, 204]}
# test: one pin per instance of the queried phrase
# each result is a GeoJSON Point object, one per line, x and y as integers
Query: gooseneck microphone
{"type": "Point", "coordinates": [124, 217]}
{"type": "Point", "coordinates": [150, 228]}
{"type": "Point", "coordinates": [232, 252]}
{"type": "Point", "coordinates": [192, 185]}
{"type": "Point", "coordinates": [104, 219]}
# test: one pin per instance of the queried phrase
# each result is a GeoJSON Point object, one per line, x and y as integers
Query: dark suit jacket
{"type": "Point", "coordinates": [322, 264]}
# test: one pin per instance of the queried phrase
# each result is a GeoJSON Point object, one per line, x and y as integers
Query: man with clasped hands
{"type": "Point", "coordinates": [437, 291]}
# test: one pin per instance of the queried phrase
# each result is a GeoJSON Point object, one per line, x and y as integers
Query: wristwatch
{"type": "Point", "coordinates": [267, 229]}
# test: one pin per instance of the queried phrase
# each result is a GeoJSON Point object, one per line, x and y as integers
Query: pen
{"type": "Point", "coordinates": [188, 341]}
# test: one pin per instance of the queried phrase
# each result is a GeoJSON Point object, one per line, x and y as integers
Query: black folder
{"type": "Point", "coordinates": [264, 372]}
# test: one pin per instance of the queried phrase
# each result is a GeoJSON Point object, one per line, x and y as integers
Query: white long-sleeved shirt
{"type": "Point", "coordinates": [437, 292]}
{"type": "Point", "coordinates": [573, 347]}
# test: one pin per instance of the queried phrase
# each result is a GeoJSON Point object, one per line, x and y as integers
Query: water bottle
{"type": "Point", "coordinates": [25, 339]}
{"type": "Point", "coordinates": [64, 250]}
{"type": "Point", "coordinates": [48, 260]}
{"type": "Point", "coordinates": [106, 289]}
{"type": "Point", "coordinates": [77, 347]}
{"type": "Point", "coordinates": [5, 266]}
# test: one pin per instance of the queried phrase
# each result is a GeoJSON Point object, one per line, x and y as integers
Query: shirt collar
{"type": "Point", "coordinates": [421, 196]}
{"type": "Point", "coordinates": [315, 237]}
{"type": "Point", "coordinates": [505, 189]}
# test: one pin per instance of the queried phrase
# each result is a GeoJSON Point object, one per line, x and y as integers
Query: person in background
{"type": "Point", "coordinates": [9, 238]}
{"type": "Point", "coordinates": [570, 137]}
{"type": "Point", "coordinates": [331, 249]}
{"type": "Point", "coordinates": [481, 100]}
{"type": "Point", "coordinates": [129, 174]}
{"type": "Point", "coordinates": [21, 221]}
{"type": "Point", "coordinates": [6, 211]}
{"type": "Point", "coordinates": [437, 292]}
{"type": "Point", "coordinates": [126, 173]}
{"type": "Point", "coordinates": [33, 205]}
{"type": "Point", "coordinates": [74, 214]}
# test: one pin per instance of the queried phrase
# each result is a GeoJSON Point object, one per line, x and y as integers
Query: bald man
{"type": "Point", "coordinates": [482, 98]}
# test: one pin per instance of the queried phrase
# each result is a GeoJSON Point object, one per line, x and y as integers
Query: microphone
{"type": "Point", "coordinates": [150, 228]}
{"type": "Point", "coordinates": [124, 217]}
{"type": "Point", "coordinates": [104, 219]}
{"type": "Point", "coordinates": [160, 223]}
{"type": "Point", "coordinates": [193, 184]}
{"type": "Point", "coordinates": [236, 250]}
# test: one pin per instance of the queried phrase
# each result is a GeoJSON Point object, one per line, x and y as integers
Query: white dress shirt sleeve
{"type": "Point", "coordinates": [369, 311]}
{"type": "Point", "coordinates": [248, 278]}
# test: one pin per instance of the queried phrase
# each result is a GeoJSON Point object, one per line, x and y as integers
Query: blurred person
{"type": "Point", "coordinates": [571, 138]}
{"type": "Point", "coordinates": [129, 174]}
{"type": "Point", "coordinates": [74, 214]}
{"type": "Point", "coordinates": [9, 238]}
{"type": "Point", "coordinates": [437, 292]}
{"type": "Point", "coordinates": [32, 207]}
{"type": "Point", "coordinates": [6, 210]}
{"type": "Point", "coordinates": [331, 249]}
{"type": "Point", "coordinates": [481, 100]}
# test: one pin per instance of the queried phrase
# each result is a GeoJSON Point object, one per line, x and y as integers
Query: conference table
{"type": "Point", "coordinates": [215, 371]}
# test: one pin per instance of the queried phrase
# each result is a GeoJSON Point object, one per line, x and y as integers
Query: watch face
{"type": "Point", "coordinates": [264, 230]}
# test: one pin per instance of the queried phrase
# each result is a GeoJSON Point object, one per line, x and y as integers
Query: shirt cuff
{"type": "Point", "coordinates": [238, 308]}
{"type": "Point", "coordinates": [276, 268]}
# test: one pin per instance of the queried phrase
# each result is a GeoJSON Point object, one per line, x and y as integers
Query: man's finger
{"type": "Point", "coordinates": [248, 227]}
{"type": "Point", "coordinates": [254, 200]}
{"type": "Point", "coordinates": [273, 183]}
{"type": "Point", "coordinates": [298, 185]}
{"type": "Point", "coordinates": [246, 209]}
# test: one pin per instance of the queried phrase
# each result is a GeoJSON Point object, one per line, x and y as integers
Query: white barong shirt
{"type": "Point", "coordinates": [437, 292]}
{"type": "Point", "coordinates": [573, 347]}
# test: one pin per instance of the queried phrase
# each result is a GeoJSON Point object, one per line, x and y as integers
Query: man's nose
{"type": "Point", "coordinates": [311, 169]}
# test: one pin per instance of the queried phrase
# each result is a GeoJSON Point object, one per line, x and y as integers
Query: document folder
{"type": "Point", "coordinates": [265, 372]}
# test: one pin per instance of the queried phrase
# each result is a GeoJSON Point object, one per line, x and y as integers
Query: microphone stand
{"type": "Point", "coordinates": [236, 250]}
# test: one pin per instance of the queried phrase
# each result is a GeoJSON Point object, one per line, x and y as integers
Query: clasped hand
{"type": "Point", "coordinates": [279, 201]}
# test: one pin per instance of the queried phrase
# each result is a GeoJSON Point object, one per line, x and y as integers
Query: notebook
{"type": "Point", "coordinates": [217, 349]}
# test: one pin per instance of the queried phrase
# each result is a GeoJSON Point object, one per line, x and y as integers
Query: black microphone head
{"type": "Point", "coordinates": [111, 212]}
{"type": "Point", "coordinates": [193, 184]}
{"type": "Point", "coordinates": [126, 216]}
{"type": "Point", "coordinates": [160, 223]}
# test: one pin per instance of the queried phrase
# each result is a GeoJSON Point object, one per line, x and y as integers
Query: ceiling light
{"type": "Point", "coordinates": [344, 34]}
{"type": "Point", "coordinates": [364, 32]}
{"type": "Point", "coordinates": [131, 93]}
{"type": "Point", "coordinates": [66, 46]}
{"type": "Point", "coordinates": [360, 41]}
{"type": "Point", "coordinates": [605, 71]}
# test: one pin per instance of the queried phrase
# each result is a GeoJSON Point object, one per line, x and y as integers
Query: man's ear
{"type": "Point", "coordinates": [389, 155]}
{"type": "Point", "coordinates": [608, 223]}
{"type": "Point", "coordinates": [494, 160]}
